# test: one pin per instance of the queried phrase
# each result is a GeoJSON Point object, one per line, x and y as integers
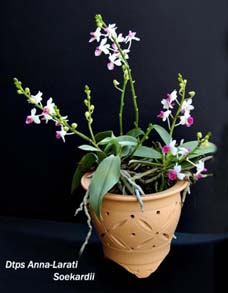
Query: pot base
{"type": "Point", "coordinates": [141, 264]}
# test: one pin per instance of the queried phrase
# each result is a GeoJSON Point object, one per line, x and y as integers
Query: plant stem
{"type": "Point", "coordinates": [163, 182]}
{"type": "Point", "coordinates": [146, 163]}
{"type": "Point", "coordinates": [153, 179]}
{"type": "Point", "coordinates": [134, 97]}
{"type": "Point", "coordinates": [178, 110]}
{"type": "Point", "coordinates": [146, 173]}
{"type": "Point", "coordinates": [122, 105]}
{"type": "Point", "coordinates": [145, 137]}
{"type": "Point", "coordinates": [83, 136]}
{"type": "Point", "coordinates": [91, 132]}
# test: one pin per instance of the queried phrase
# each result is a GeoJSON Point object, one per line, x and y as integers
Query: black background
{"type": "Point", "coordinates": [45, 44]}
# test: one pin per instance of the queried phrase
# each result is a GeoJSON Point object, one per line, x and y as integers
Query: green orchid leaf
{"type": "Point", "coordinates": [105, 177]}
{"type": "Point", "coordinates": [126, 140]}
{"type": "Point", "coordinates": [135, 132]}
{"type": "Point", "coordinates": [123, 139]}
{"type": "Point", "coordinates": [85, 164]}
{"type": "Point", "coordinates": [165, 136]}
{"type": "Point", "coordinates": [106, 140]}
{"type": "Point", "coordinates": [87, 147]}
{"type": "Point", "coordinates": [117, 142]}
{"type": "Point", "coordinates": [126, 150]}
{"type": "Point", "coordinates": [207, 148]}
{"type": "Point", "coordinates": [147, 152]}
{"type": "Point", "coordinates": [190, 144]}
{"type": "Point", "coordinates": [121, 145]}
{"type": "Point", "coordinates": [113, 147]}
{"type": "Point", "coordinates": [101, 135]}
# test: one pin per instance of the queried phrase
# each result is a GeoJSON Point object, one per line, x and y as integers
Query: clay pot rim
{"type": "Point", "coordinates": [178, 187]}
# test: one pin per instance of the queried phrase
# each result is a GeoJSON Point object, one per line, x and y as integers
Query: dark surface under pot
{"type": "Point", "coordinates": [195, 262]}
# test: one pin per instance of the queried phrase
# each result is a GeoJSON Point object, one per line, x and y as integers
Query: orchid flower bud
{"type": "Point", "coordinates": [87, 91]}
{"type": "Point", "coordinates": [17, 82]}
{"type": "Point", "coordinates": [206, 140]}
{"type": "Point", "coordinates": [87, 115]}
{"type": "Point", "coordinates": [192, 94]}
{"type": "Point", "coordinates": [27, 91]}
{"type": "Point", "coordinates": [115, 83]}
{"type": "Point", "coordinates": [199, 135]}
{"type": "Point", "coordinates": [74, 125]}
{"type": "Point", "coordinates": [99, 20]}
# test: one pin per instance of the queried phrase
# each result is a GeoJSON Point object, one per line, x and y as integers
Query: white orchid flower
{"type": "Point", "coordinates": [126, 52]}
{"type": "Point", "coordinates": [177, 169]}
{"type": "Point", "coordinates": [173, 96]}
{"type": "Point", "coordinates": [49, 108]}
{"type": "Point", "coordinates": [120, 38]}
{"type": "Point", "coordinates": [95, 35]}
{"type": "Point", "coordinates": [176, 173]}
{"type": "Point", "coordinates": [114, 60]}
{"type": "Point", "coordinates": [33, 117]}
{"type": "Point", "coordinates": [186, 119]}
{"type": "Point", "coordinates": [182, 152]}
{"type": "Point", "coordinates": [103, 47]}
{"type": "Point", "coordinates": [111, 30]}
{"type": "Point", "coordinates": [173, 149]}
{"type": "Point", "coordinates": [200, 167]}
{"type": "Point", "coordinates": [187, 106]}
{"type": "Point", "coordinates": [168, 102]}
{"type": "Point", "coordinates": [37, 98]}
{"type": "Point", "coordinates": [170, 148]}
{"type": "Point", "coordinates": [164, 115]}
{"type": "Point", "coordinates": [61, 134]}
{"type": "Point", "coordinates": [131, 36]}
{"type": "Point", "coordinates": [46, 117]}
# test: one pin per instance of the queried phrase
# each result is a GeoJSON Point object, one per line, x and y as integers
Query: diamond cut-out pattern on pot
{"type": "Point", "coordinates": [150, 228]}
{"type": "Point", "coordinates": [139, 241]}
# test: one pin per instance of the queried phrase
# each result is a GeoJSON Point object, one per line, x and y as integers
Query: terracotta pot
{"type": "Point", "coordinates": [138, 241]}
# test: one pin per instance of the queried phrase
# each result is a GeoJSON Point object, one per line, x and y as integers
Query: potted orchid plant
{"type": "Point", "coordinates": [131, 183]}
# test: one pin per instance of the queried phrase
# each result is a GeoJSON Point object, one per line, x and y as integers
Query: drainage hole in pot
{"type": "Point", "coordinates": [107, 213]}
{"type": "Point", "coordinates": [158, 212]}
{"type": "Point", "coordinates": [132, 216]}
{"type": "Point", "coordinates": [133, 234]}
{"type": "Point", "coordinates": [102, 234]}
{"type": "Point", "coordinates": [166, 235]}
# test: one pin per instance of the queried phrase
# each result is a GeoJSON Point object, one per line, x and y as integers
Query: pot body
{"type": "Point", "coordinates": [138, 241]}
